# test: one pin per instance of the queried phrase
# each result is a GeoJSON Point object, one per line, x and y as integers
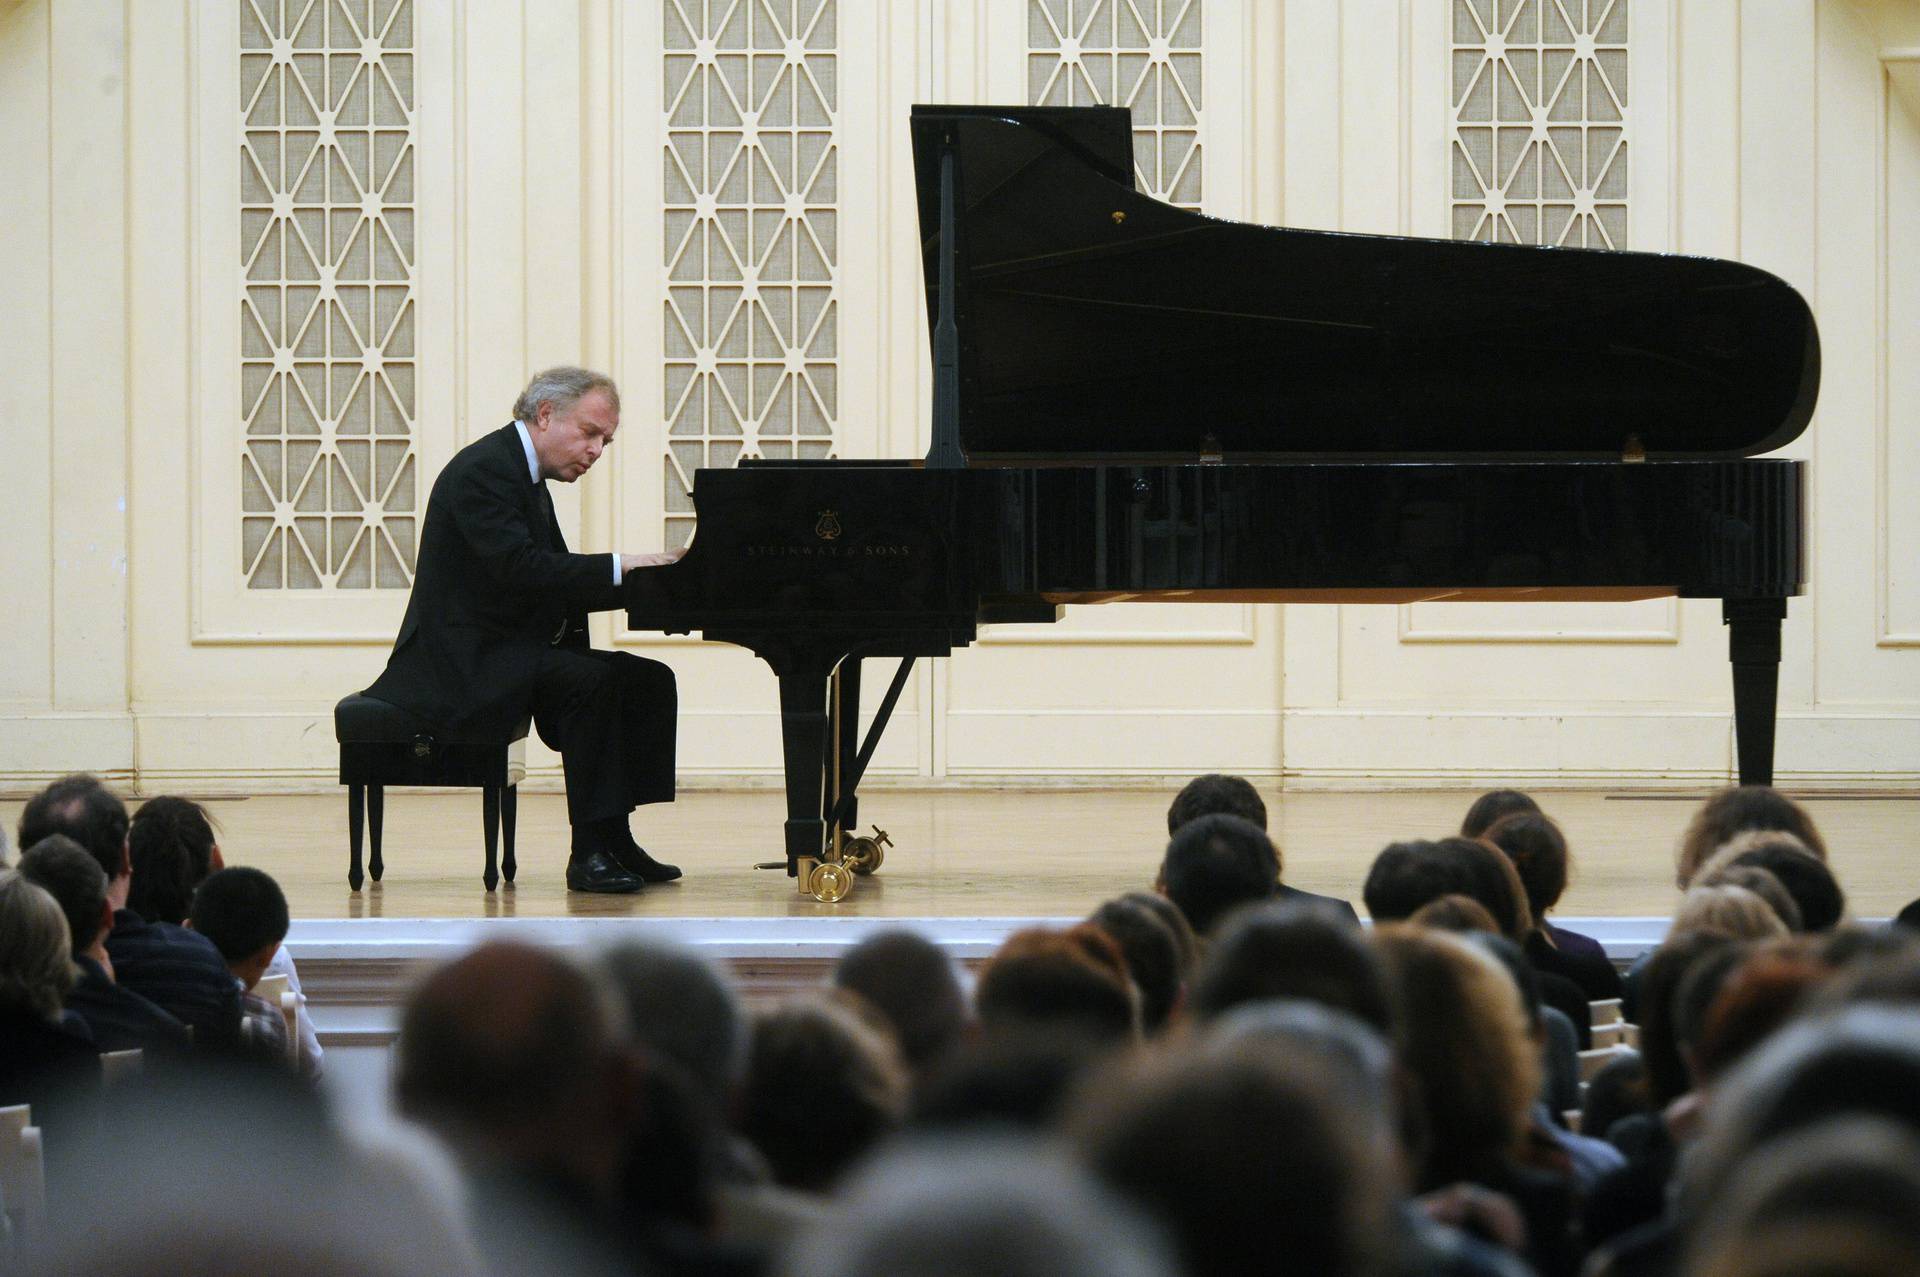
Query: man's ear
{"type": "Point", "coordinates": [215, 861]}
{"type": "Point", "coordinates": [106, 920]}
{"type": "Point", "coordinates": [126, 857]}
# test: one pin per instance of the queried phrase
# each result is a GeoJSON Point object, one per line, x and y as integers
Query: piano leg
{"type": "Point", "coordinates": [1753, 645]}
{"type": "Point", "coordinates": [803, 733]}
{"type": "Point", "coordinates": [845, 745]}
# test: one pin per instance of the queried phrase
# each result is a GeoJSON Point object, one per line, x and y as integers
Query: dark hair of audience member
{"type": "Point", "coordinates": [1758, 996]}
{"type": "Point", "coordinates": [1729, 911]}
{"type": "Point", "coordinates": [1186, 945]}
{"type": "Point", "coordinates": [1762, 883]}
{"type": "Point", "coordinates": [1283, 950]}
{"type": "Point", "coordinates": [1216, 795]}
{"type": "Point", "coordinates": [85, 810]}
{"type": "Point", "coordinates": [171, 841]}
{"type": "Point", "coordinates": [36, 964]}
{"type": "Point", "coordinates": [1407, 875]}
{"type": "Point", "coordinates": [242, 910]}
{"type": "Point", "coordinates": [1888, 975]}
{"type": "Point", "coordinates": [911, 982]}
{"type": "Point", "coordinates": [1248, 1157]}
{"type": "Point", "coordinates": [823, 1087]}
{"type": "Point", "coordinates": [1475, 1067]}
{"type": "Point", "coordinates": [1456, 913]}
{"type": "Point", "coordinates": [1662, 1035]}
{"type": "Point", "coordinates": [1076, 978]}
{"type": "Point", "coordinates": [1909, 916]}
{"type": "Point", "coordinates": [1152, 955]}
{"type": "Point", "coordinates": [1806, 877]}
{"type": "Point", "coordinates": [680, 1007]}
{"type": "Point", "coordinates": [1215, 864]}
{"type": "Point", "coordinates": [1737, 810]}
{"type": "Point", "coordinates": [1620, 1089]}
{"type": "Point", "coordinates": [1840, 1199]}
{"type": "Point", "coordinates": [1538, 851]}
{"type": "Point", "coordinates": [65, 870]}
{"type": "Point", "coordinates": [675, 1151]}
{"type": "Point", "coordinates": [1493, 806]}
{"type": "Point", "coordinates": [1018, 1079]}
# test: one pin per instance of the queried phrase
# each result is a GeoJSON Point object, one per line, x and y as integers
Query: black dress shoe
{"type": "Point", "coordinates": [634, 859]}
{"type": "Point", "coordinates": [600, 871]}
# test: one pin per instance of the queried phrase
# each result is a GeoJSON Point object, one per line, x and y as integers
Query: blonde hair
{"type": "Point", "coordinates": [1728, 910]}
{"type": "Point", "coordinates": [36, 948]}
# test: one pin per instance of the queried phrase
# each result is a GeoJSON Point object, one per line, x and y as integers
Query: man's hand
{"type": "Point", "coordinates": [628, 562]}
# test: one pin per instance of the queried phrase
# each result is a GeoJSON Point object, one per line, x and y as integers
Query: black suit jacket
{"type": "Point", "coordinates": [493, 587]}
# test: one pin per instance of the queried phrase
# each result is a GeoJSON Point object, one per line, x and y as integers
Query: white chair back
{"type": "Point", "coordinates": [23, 1174]}
{"type": "Point", "coordinates": [121, 1066]}
{"type": "Point", "coordinates": [277, 991]}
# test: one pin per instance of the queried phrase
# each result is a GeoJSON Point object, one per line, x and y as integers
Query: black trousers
{"type": "Point", "coordinates": [611, 715]}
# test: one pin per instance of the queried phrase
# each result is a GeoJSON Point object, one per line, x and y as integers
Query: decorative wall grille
{"type": "Point", "coordinates": [1540, 121]}
{"type": "Point", "coordinates": [752, 247]}
{"type": "Point", "coordinates": [1143, 54]}
{"type": "Point", "coordinates": [328, 470]}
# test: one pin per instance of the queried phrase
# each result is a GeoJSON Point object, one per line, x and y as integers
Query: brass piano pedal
{"type": "Point", "coordinates": [864, 855]}
{"type": "Point", "coordinates": [829, 882]}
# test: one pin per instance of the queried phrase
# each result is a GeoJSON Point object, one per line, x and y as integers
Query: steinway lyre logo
{"type": "Point", "coordinates": [828, 528]}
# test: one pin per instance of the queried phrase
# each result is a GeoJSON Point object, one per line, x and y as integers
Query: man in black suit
{"type": "Point", "coordinates": [497, 626]}
{"type": "Point", "coordinates": [1215, 794]}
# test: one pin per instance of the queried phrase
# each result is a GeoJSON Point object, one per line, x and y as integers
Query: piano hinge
{"type": "Point", "coordinates": [1210, 450]}
{"type": "Point", "coordinates": [1633, 450]}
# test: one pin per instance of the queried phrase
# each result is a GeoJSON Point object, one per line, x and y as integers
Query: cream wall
{"type": "Point", "coordinates": [1782, 132]}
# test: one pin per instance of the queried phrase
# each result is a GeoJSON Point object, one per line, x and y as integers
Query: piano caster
{"type": "Point", "coordinates": [864, 855]}
{"type": "Point", "coordinates": [829, 883]}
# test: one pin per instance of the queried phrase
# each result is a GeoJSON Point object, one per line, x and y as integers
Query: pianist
{"type": "Point", "coordinates": [497, 626]}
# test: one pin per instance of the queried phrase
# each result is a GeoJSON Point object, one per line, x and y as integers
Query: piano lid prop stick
{"type": "Point", "coordinates": [851, 782]}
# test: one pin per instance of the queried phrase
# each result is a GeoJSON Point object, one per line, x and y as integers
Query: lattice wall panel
{"type": "Point", "coordinates": [1540, 121]}
{"type": "Point", "coordinates": [752, 248]}
{"type": "Point", "coordinates": [1143, 54]}
{"type": "Point", "coordinates": [328, 470]}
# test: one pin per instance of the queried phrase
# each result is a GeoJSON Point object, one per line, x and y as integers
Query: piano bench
{"type": "Point", "coordinates": [382, 744]}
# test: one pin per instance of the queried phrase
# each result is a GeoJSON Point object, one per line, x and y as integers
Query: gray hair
{"type": "Point", "coordinates": [562, 387]}
{"type": "Point", "coordinates": [681, 1006]}
{"type": "Point", "coordinates": [36, 950]}
{"type": "Point", "coordinates": [978, 1207]}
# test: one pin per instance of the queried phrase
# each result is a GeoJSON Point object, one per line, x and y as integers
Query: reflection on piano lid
{"type": "Point", "coordinates": [1093, 319]}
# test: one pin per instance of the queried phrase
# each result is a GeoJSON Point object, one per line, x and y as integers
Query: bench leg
{"type": "Point", "coordinates": [509, 814]}
{"type": "Point", "coordinates": [376, 821]}
{"type": "Point", "coordinates": [490, 813]}
{"type": "Point", "coordinates": [356, 811]}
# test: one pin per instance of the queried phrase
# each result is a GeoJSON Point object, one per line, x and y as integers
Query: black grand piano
{"type": "Point", "coordinates": [1134, 401]}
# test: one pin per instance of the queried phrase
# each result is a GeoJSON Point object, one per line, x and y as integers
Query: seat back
{"type": "Point", "coordinates": [121, 1066]}
{"type": "Point", "coordinates": [23, 1174]}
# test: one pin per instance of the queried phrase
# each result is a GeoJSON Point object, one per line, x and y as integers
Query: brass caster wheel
{"type": "Point", "coordinates": [829, 883]}
{"type": "Point", "coordinates": [863, 855]}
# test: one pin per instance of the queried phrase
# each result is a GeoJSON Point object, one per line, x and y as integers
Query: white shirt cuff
{"type": "Point", "coordinates": [616, 569]}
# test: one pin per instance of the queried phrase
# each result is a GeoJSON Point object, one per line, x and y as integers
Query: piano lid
{"type": "Point", "coordinates": [1094, 320]}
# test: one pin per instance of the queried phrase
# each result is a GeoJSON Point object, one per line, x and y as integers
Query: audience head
{"type": "Point", "coordinates": [1186, 945]}
{"type": "Point", "coordinates": [86, 811]}
{"type": "Point", "coordinates": [1215, 864]}
{"type": "Point", "coordinates": [1294, 951]}
{"type": "Point", "coordinates": [682, 1008]}
{"type": "Point", "coordinates": [172, 844]}
{"type": "Point", "coordinates": [1804, 876]}
{"type": "Point", "coordinates": [911, 982]}
{"type": "Point", "coordinates": [1762, 883]}
{"type": "Point", "coordinates": [1196, 1141]}
{"type": "Point", "coordinates": [1729, 911]}
{"type": "Point", "coordinates": [1538, 851]}
{"type": "Point", "coordinates": [1474, 1063]}
{"type": "Point", "coordinates": [1152, 955]}
{"type": "Point", "coordinates": [1757, 997]}
{"type": "Point", "coordinates": [75, 880]}
{"type": "Point", "coordinates": [1457, 913]}
{"type": "Point", "coordinates": [1074, 979]}
{"type": "Point", "coordinates": [1358, 1057]}
{"type": "Point", "coordinates": [823, 1086]}
{"type": "Point", "coordinates": [1493, 806]}
{"type": "Point", "coordinates": [1738, 810]}
{"type": "Point", "coordinates": [1407, 875]}
{"type": "Point", "coordinates": [980, 1207]}
{"type": "Point", "coordinates": [1618, 1090]}
{"type": "Point", "coordinates": [1216, 795]}
{"type": "Point", "coordinates": [1696, 961]}
{"type": "Point", "coordinates": [1909, 916]}
{"type": "Point", "coordinates": [512, 1053]}
{"type": "Point", "coordinates": [244, 913]}
{"type": "Point", "coordinates": [36, 964]}
{"type": "Point", "coordinates": [1018, 1080]}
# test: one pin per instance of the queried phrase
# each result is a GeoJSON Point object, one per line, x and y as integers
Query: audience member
{"type": "Point", "coordinates": [1062, 980]}
{"type": "Point", "coordinates": [1806, 877]}
{"type": "Point", "coordinates": [1213, 865]}
{"type": "Point", "coordinates": [822, 1088]}
{"type": "Point", "coordinates": [1757, 997]}
{"type": "Point", "coordinates": [1737, 810]}
{"type": "Point", "coordinates": [1191, 1140]}
{"type": "Point", "coordinates": [1617, 1091]}
{"type": "Point", "coordinates": [1539, 853]}
{"type": "Point", "coordinates": [117, 1019]}
{"type": "Point", "coordinates": [244, 913]}
{"type": "Point", "coordinates": [1762, 883]}
{"type": "Point", "coordinates": [1293, 951]}
{"type": "Point", "coordinates": [172, 846]}
{"type": "Point", "coordinates": [1186, 944]}
{"type": "Point", "coordinates": [1909, 916]}
{"type": "Point", "coordinates": [1456, 913]}
{"type": "Point", "coordinates": [42, 1052]}
{"type": "Point", "coordinates": [1233, 796]}
{"type": "Point", "coordinates": [1727, 910]}
{"type": "Point", "coordinates": [1016, 1080]}
{"type": "Point", "coordinates": [998, 1207]}
{"type": "Point", "coordinates": [1152, 955]}
{"type": "Point", "coordinates": [168, 965]}
{"type": "Point", "coordinates": [912, 983]}
{"type": "Point", "coordinates": [1492, 807]}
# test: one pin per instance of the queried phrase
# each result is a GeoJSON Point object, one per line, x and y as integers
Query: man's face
{"type": "Point", "coordinates": [566, 444]}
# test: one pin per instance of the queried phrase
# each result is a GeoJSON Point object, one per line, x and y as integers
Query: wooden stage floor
{"type": "Point", "coordinates": [979, 853]}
